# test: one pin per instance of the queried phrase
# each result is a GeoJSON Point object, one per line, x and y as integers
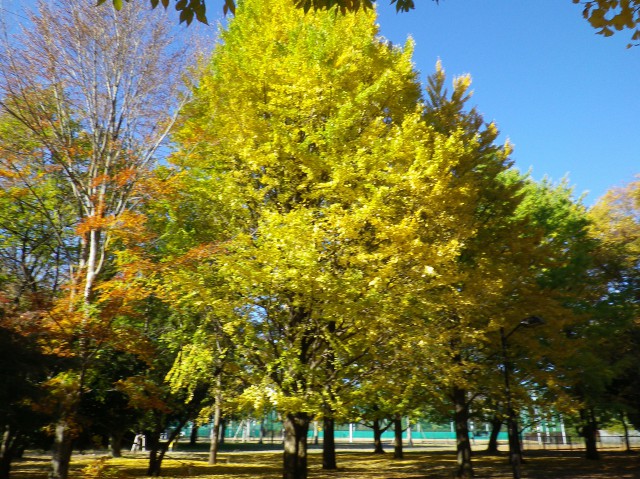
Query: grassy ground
{"type": "Point", "coordinates": [352, 465]}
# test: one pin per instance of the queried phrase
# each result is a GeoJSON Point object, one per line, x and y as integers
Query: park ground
{"type": "Point", "coordinates": [419, 463]}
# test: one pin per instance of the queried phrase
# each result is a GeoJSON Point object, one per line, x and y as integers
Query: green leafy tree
{"type": "Point", "coordinates": [613, 324]}
{"type": "Point", "coordinates": [562, 286]}
{"type": "Point", "coordinates": [583, 358]}
{"type": "Point", "coordinates": [386, 393]}
{"type": "Point", "coordinates": [488, 261]}
{"type": "Point", "coordinates": [36, 234]}
{"type": "Point", "coordinates": [496, 279]}
{"type": "Point", "coordinates": [106, 407]}
{"type": "Point", "coordinates": [582, 353]}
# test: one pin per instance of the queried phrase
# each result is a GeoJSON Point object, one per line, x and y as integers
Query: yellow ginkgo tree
{"type": "Point", "coordinates": [341, 207]}
{"type": "Point", "coordinates": [308, 135]}
{"type": "Point", "coordinates": [296, 132]}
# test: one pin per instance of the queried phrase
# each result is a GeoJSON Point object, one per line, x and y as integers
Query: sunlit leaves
{"type": "Point", "coordinates": [301, 167]}
{"type": "Point", "coordinates": [617, 221]}
{"type": "Point", "coordinates": [608, 16]}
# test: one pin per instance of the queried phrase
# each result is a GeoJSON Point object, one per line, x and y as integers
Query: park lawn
{"type": "Point", "coordinates": [352, 465]}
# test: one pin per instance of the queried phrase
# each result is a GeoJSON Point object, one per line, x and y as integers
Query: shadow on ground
{"type": "Point", "coordinates": [352, 465]}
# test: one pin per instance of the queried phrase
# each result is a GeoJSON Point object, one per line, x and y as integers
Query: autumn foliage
{"type": "Point", "coordinates": [326, 238]}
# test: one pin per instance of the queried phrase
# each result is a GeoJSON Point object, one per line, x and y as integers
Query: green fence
{"type": "Point", "coordinates": [252, 430]}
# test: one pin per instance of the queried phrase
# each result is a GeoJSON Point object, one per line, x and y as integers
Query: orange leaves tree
{"type": "Point", "coordinates": [96, 97]}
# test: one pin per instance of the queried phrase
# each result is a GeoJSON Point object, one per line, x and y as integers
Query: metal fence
{"type": "Point", "coordinates": [421, 434]}
{"type": "Point", "coordinates": [604, 440]}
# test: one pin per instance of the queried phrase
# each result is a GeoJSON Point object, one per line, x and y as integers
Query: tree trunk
{"type": "Point", "coordinates": [463, 445]}
{"type": "Point", "coordinates": [296, 428]}
{"type": "Point", "coordinates": [626, 432]}
{"type": "Point", "coordinates": [223, 429]}
{"type": "Point", "coordinates": [263, 431]}
{"type": "Point", "coordinates": [5, 466]}
{"type": "Point", "coordinates": [215, 432]}
{"type": "Point", "coordinates": [158, 448]}
{"type": "Point", "coordinates": [115, 443]}
{"type": "Point", "coordinates": [193, 436]}
{"type": "Point", "coordinates": [590, 434]}
{"type": "Point", "coordinates": [157, 451]}
{"type": "Point", "coordinates": [377, 437]}
{"type": "Point", "coordinates": [155, 462]}
{"type": "Point", "coordinates": [492, 447]}
{"type": "Point", "coordinates": [397, 443]}
{"type": "Point", "coordinates": [9, 449]}
{"type": "Point", "coordinates": [61, 453]}
{"type": "Point", "coordinates": [329, 444]}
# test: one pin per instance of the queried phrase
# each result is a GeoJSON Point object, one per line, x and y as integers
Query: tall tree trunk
{"type": "Point", "coordinates": [329, 439]}
{"type": "Point", "coordinates": [463, 445]}
{"type": "Point", "coordinates": [397, 443]}
{"type": "Point", "coordinates": [62, 449]}
{"type": "Point", "coordinates": [193, 437]}
{"type": "Point", "coordinates": [329, 444]}
{"type": "Point", "coordinates": [296, 428]}
{"type": "Point", "coordinates": [496, 425]}
{"type": "Point", "coordinates": [215, 431]}
{"type": "Point", "coordinates": [377, 437]}
{"type": "Point", "coordinates": [590, 433]}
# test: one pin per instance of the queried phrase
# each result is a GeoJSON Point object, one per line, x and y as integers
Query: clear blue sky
{"type": "Point", "coordinates": [568, 99]}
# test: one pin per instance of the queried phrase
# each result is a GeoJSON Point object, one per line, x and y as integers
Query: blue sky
{"type": "Point", "coordinates": [568, 99]}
